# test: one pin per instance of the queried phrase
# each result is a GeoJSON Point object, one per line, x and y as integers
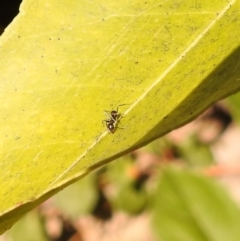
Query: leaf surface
{"type": "Point", "coordinates": [63, 64]}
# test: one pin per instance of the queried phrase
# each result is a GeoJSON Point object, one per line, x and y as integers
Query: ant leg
{"type": "Point", "coordinates": [104, 122]}
{"type": "Point", "coordinates": [107, 111]}
{"type": "Point", "coordinates": [122, 105]}
{"type": "Point", "coordinates": [122, 127]}
{"type": "Point", "coordinates": [118, 125]}
{"type": "Point", "coordinates": [109, 116]}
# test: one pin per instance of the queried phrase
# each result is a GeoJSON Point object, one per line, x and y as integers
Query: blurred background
{"type": "Point", "coordinates": [117, 201]}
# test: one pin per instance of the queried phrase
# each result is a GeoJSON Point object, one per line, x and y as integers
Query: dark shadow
{"type": "Point", "coordinates": [8, 10]}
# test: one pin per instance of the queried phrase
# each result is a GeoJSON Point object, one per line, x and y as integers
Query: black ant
{"type": "Point", "coordinates": [113, 120]}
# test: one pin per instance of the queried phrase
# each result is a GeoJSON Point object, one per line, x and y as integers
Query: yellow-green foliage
{"type": "Point", "coordinates": [64, 62]}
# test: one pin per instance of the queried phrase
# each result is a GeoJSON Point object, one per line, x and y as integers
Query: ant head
{"type": "Point", "coordinates": [114, 112]}
{"type": "Point", "coordinates": [115, 115]}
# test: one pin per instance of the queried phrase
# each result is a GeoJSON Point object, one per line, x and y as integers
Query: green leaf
{"type": "Point", "coordinates": [234, 106]}
{"type": "Point", "coordinates": [195, 153]}
{"type": "Point", "coordinates": [63, 64]}
{"type": "Point", "coordinates": [30, 227]}
{"type": "Point", "coordinates": [194, 208]}
{"type": "Point", "coordinates": [77, 199]}
{"type": "Point", "coordinates": [128, 193]}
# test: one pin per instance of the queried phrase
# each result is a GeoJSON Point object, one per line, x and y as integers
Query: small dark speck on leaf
{"type": "Point", "coordinates": [136, 62]}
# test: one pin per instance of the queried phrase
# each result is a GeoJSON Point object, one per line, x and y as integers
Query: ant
{"type": "Point", "coordinates": [113, 120]}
